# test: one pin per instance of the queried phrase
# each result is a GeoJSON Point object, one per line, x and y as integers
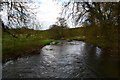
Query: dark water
{"type": "Point", "coordinates": [74, 59]}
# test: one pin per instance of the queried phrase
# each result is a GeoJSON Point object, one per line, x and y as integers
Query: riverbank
{"type": "Point", "coordinates": [107, 39]}
{"type": "Point", "coordinates": [72, 56]}
{"type": "Point", "coordinates": [19, 48]}
{"type": "Point", "coordinates": [65, 60]}
{"type": "Point", "coordinates": [110, 49]}
{"type": "Point", "coordinates": [27, 43]}
{"type": "Point", "coordinates": [30, 41]}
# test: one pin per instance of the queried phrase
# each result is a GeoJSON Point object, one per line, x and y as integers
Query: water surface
{"type": "Point", "coordinates": [73, 59]}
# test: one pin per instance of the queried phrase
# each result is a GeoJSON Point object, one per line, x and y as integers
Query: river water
{"type": "Point", "coordinates": [75, 59]}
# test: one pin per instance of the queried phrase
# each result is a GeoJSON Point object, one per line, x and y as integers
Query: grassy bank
{"type": "Point", "coordinates": [28, 42]}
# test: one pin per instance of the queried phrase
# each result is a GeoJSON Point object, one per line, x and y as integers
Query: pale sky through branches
{"type": "Point", "coordinates": [48, 11]}
{"type": "Point", "coordinates": [45, 12]}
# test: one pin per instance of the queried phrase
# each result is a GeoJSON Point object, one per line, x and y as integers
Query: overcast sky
{"type": "Point", "coordinates": [48, 11]}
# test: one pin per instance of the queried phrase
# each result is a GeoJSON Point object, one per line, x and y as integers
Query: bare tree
{"type": "Point", "coordinates": [91, 12]}
{"type": "Point", "coordinates": [74, 12]}
{"type": "Point", "coordinates": [61, 22]}
{"type": "Point", "coordinates": [19, 13]}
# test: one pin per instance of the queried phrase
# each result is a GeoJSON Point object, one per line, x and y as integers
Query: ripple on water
{"type": "Point", "coordinates": [65, 60]}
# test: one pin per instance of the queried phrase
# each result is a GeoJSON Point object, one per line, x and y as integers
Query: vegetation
{"type": "Point", "coordinates": [100, 23]}
{"type": "Point", "coordinates": [28, 42]}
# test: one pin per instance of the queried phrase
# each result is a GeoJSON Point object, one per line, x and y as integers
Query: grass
{"type": "Point", "coordinates": [47, 41]}
{"type": "Point", "coordinates": [32, 40]}
{"type": "Point", "coordinates": [13, 48]}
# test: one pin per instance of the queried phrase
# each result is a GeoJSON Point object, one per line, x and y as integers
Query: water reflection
{"type": "Point", "coordinates": [65, 60]}
{"type": "Point", "coordinates": [98, 52]}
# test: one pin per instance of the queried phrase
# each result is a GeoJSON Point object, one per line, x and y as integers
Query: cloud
{"type": "Point", "coordinates": [48, 12]}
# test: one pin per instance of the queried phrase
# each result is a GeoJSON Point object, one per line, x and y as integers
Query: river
{"type": "Point", "coordinates": [75, 59]}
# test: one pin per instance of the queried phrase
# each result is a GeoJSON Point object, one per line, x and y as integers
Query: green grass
{"type": "Point", "coordinates": [47, 41]}
{"type": "Point", "coordinates": [32, 40]}
{"type": "Point", "coordinates": [13, 48]}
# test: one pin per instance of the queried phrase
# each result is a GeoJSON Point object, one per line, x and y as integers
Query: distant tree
{"type": "Point", "coordinates": [74, 12]}
{"type": "Point", "coordinates": [103, 13]}
{"type": "Point", "coordinates": [57, 31]}
{"type": "Point", "coordinates": [102, 17]}
{"type": "Point", "coordinates": [62, 22]}
{"type": "Point", "coordinates": [54, 26]}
